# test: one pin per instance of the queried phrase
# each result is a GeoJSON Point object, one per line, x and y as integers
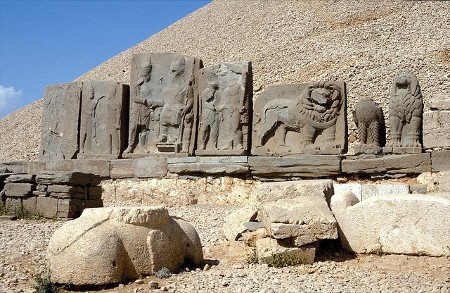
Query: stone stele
{"type": "Point", "coordinates": [224, 109]}
{"type": "Point", "coordinates": [104, 119]}
{"type": "Point", "coordinates": [163, 104]}
{"type": "Point", "coordinates": [401, 224]}
{"type": "Point", "coordinates": [108, 245]}
{"type": "Point", "coordinates": [300, 118]}
{"type": "Point", "coordinates": [60, 122]}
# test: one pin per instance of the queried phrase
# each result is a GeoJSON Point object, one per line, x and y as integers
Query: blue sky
{"type": "Point", "coordinates": [48, 42]}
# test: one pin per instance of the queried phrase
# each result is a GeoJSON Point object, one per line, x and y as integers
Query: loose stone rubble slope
{"type": "Point", "coordinates": [290, 42]}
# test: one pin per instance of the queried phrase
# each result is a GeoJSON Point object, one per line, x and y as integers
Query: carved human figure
{"type": "Point", "coordinates": [405, 111]}
{"type": "Point", "coordinates": [146, 107]}
{"type": "Point", "coordinates": [314, 112]}
{"type": "Point", "coordinates": [369, 119]}
{"type": "Point", "coordinates": [209, 126]}
{"type": "Point", "coordinates": [176, 117]}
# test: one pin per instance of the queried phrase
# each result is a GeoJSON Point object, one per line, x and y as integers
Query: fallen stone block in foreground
{"type": "Point", "coordinates": [108, 245]}
{"type": "Point", "coordinates": [402, 224]}
{"type": "Point", "coordinates": [275, 254]}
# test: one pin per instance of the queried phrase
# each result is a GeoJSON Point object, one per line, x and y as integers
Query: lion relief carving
{"type": "Point", "coordinates": [312, 114]}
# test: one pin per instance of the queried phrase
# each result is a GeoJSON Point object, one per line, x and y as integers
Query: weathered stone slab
{"type": "Point", "coordinates": [35, 167]}
{"type": "Point", "coordinates": [300, 118]}
{"type": "Point", "coordinates": [47, 206]}
{"type": "Point", "coordinates": [21, 178]}
{"type": "Point", "coordinates": [150, 167]}
{"type": "Point", "coordinates": [270, 251]}
{"type": "Point", "coordinates": [298, 166]}
{"type": "Point", "coordinates": [97, 167]}
{"type": "Point", "coordinates": [401, 224]}
{"type": "Point", "coordinates": [273, 191]}
{"type": "Point", "coordinates": [60, 122]}
{"type": "Point", "coordinates": [440, 160]}
{"type": "Point", "coordinates": [66, 189]}
{"type": "Point", "coordinates": [439, 102]}
{"type": "Point", "coordinates": [29, 204]}
{"type": "Point", "coordinates": [209, 165]}
{"type": "Point", "coordinates": [390, 164]}
{"type": "Point", "coordinates": [91, 250]}
{"type": "Point", "coordinates": [121, 168]}
{"type": "Point", "coordinates": [306, 218]}
{"type": "Point", "coordinates": [14, 167]}
{"type": "Point", "coordinates": [163, 103]}
{"type": "Point", "coordinates": [365, 191]}
{"type": "Point", "coordinates": [234, 223]}
{"type": "Point", "coordinates": [63, 178]}
{"type": "Point", "coordinates": [68, 208]}
{"type": "Point", "coordinates": [436, 132]}
{"type": "Point", "coordinates": [225, 96]}
{"type": "Point", "coordinates": [13, 203]}
{"type": "Point", "coordinates": [104, 119]}
{"type": "Point", "coordinates": [19, 189]}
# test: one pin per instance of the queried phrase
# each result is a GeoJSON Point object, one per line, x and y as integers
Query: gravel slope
{"type": "Point", "coordinates": [365, 43]}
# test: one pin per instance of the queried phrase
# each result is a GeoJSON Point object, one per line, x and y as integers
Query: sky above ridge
{"type": "Point", "coordinates": [46, 42]}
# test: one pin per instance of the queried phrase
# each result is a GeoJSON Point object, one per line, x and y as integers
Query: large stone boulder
{"type": "Point", "coordinates": [404, 224]}
{"type": "Point", "coordinates": [107, 245]}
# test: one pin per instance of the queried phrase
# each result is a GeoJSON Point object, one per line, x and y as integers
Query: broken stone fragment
{"type": "Point", "coordinates": [275, 253]}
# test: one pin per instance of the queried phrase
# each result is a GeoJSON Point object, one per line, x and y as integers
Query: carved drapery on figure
{"type": "Point", "coordinates": [369, 119]}
{"type": "Point", "coordinates": [163, 104]}
{"type": "Point", "coordinates": [224, 109]}
{"type": "Point", "coordinates": [296, 119]}
{"type": "Point", "coordinates": [405, 114]}
{"type": "Point", "coordinates": [104, 115]}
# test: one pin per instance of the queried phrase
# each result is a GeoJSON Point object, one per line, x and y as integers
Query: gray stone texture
{"type": "Point", "coordinates": [309, 166]}
{"type": "Point", "coordinates": [97, 167]}
{"type": "Point", "coordinates": [209, 165]}
{"type": "Point", "coordinates": [440, 160]}
{"type": "Point", "coordinates": [272, 191]}
{"type": "Point", "coordinates": [121, 169]}
{"type": "Point", "coordinates": [60, 122]}
{"type": "Point", "coordinates": [388, 164]}
{"type": "Point", "coordinates": [274, 253]}
{"type": "Point", "coordinates": [150, 167]}
{"type": "Point", "coordinates": [47, 206]}
{"type": "Point", "coordinates": [104, 119]}
{"type": "Point", "coordinates": [225, 96]}
{"type": "Point", "coordinates": [21, 178]}
{"type": "Point", "coordinates": [439, 102]}
{"type": "Point", "coordinates": [64, 178]}
{"type": "Point", "coordinates": [14, 167]}
{"type": "Point", "coordinates": [368, 117]}
{"type": "Point", "coordinates": [163, 103]}
{"type": "Point", "coordinates": [436, 133]}
{"type": "Point", "coordinates": [303, 118]}
{"type": "Point", "coordinates": [405, 113]}
{"type": "Point", "coordinates": [19, 189]}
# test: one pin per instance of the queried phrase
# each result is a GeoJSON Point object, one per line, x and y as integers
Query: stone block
{"type": "Point", "coordinates": [435, 129]}
{"type": "Point", "coordinates": [306, 218]}
{"type": "Point", "coordinates": [35, 167]}
{"type": "Point", "coordinates": [204, 167]}
{"type": "Point", "coordinates": [439, 102]}
{"type": "Point", "coordinates": [66, 195]}
{"type": "Point", "coordinates": [47, 207]}
{"type": "Point", "coordinates": [150, 167]}
{"type": "Point", "coordinates": [122, 169]}
{"type": "Point", "coordinates": [390, 164]}
{"type": "Point", "coordinates": [69, 208]}
{"type": "Point", "coordinates": [402, 224]}
{"type": "Point", "coordinates": [273, 191]}
{"type": "Point", "coordinates": [104, 119]}
{"type": "Point", "coordinates": [21, 178]}
{"type": "Point", "coordinates": [440, 160]}
{"type": "Point", "coordinates": [365, 191]}
{"type": "Point", "coordinates": [97, 167]}
{"type": "Point", "coordinates": [13, 204]}
{"type": "Point", "coordinates": [64, 178]}
{"type": "Point", "coordinates": [29, 204]}
{"type": "Point", "coordinates": [275, 254]}
{"type": "Point", "coordinates": [60, 122]}
{"type": "Point", "coordinates": [14, 167]}
{"type": "Point", "coordinates": [234, 223]}
{"type": "Point", "coordinates": [355, 188]}
{"type": "Point", "coordinates": [120, 246]}
{"type": "Point", "coordinates": [308, 166]}
{"type": "Point", "coordinates": [19, 189]}
{"type": "Point", "coordinates": [301, 119]}
{"type": "Point", "coordinates": [163, 104]}
{"type": "Point", "coordinates": [225, 103]}
{"type": "Point", "coordinates": [67, 189]}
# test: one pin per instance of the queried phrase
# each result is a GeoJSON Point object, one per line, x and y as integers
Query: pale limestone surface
{"type": "Point", "coordinates": [365, 191]}
{"type": "Point", "coordinates": [403, 224]}
{"type": "Point", "coordinates": [234, 222]}
{"type": "Point", "coordinates": [270, 251]}
{"type": "Point", "coordinates": [107, 245]}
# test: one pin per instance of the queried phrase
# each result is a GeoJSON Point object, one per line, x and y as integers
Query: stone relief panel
{"type": "Point", "coordinates": [104, 119]}
{"type": "Point", "coordinates": [369, 119]}
{"type": "Point", "coordinates": [163, 104]}
{"type": "Point", "coordinates": [300, 118]}
{"type": "Point", "coordinates": [60, 122]}
{"type": "Point", "coordinates": [225, 97]}
{"type": "Point", "coordinates": [405, 114]}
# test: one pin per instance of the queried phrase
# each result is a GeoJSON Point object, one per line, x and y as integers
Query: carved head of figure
{"type": "Point", "coordinates": [144, 71]}
{"type": "Point", "coordinates": [405, 80]}
{"type": "Point", "coordinates": [323, 100]}
{"type": "Point", "coordinates": [177, 66]}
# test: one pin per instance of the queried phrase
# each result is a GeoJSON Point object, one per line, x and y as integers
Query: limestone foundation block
{"type": "Point", "coordinates": [274, 253]}
{"type": "Point", "coordinates": [107, 245]}
{"type": "Point", "coordinates": [436, 133]}
{"type": "Point", "coordinates": [401, 224]}
{"type": "Point", "coordinates": [233, 226]}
